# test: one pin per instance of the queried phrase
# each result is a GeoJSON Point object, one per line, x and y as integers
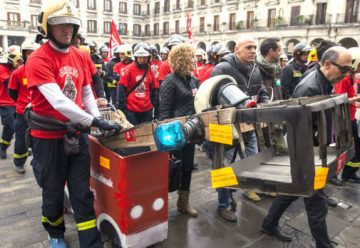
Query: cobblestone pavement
{"type": "Point", "coordinates": [20, 215]}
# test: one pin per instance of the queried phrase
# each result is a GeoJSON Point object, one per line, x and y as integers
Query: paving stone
{"type": "Point", "coordinates": [349, 237]}
{"type": "Point", "coordinates": [334, 224]}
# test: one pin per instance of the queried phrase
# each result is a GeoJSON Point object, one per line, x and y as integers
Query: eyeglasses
{"type": "Point", "coordinates": [343, 69]}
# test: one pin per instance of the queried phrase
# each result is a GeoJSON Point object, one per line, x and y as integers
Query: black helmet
{"type": "Point", "coordinates": [301, 48]}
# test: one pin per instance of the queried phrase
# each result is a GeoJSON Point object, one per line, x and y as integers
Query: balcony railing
{"type": "Point", "coordinates": [15, 25]}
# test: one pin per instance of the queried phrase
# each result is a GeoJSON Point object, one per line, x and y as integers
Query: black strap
{"type": "Point", "coordinates": [138, 82]}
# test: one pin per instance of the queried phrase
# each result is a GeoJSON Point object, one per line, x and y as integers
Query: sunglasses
{"type": "Point", "coordinates": [343, 69]}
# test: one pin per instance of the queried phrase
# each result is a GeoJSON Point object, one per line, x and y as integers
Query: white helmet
{"type": "Point", "coordinates": [141, 50]}
{"type": "Point", "coordinates": [355, 54]}
{"type": "Point", "coordinates": [164, 50]}
{"type": "Point", "coordinates": [125, 49]}
{"type": "Point", "coordinates": [104, 48]}
{"type": "Point", "coordinates": [58, 12]}
{"type": "Point", "coordinates": [29, 45]}
{"type": "Point", "coordinates": [211, 94]}
{"type": "Point", "coordinates": [13, 48]}
{"type": "Point", "coordinates": [201, 52]}
{"type": "Point", "coordinates": [175, 39]}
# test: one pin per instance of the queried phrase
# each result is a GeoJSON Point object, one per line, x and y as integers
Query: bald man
{"type": "Point", "coordinates": [334, 65]}
{"type": "Point", "coordinates": [241, 66]}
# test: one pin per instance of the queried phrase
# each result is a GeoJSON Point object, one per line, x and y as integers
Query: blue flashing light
{"type": "Point", "coordinates": [169, 136]}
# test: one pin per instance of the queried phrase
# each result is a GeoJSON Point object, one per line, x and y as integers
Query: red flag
{"type": "Point", "coordinates": [189, 29]}
{"type": "Point", "coordinates": [114, 39]}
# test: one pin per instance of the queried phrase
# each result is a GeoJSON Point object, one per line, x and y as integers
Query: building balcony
{"type": "Point", "coordinates": [176, 9]}
{"type": "Point", "coordinates": [15, 25]}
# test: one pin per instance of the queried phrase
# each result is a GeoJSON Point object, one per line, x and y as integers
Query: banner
{"type": "Point", "coordinates": [114, 39]}
{"type": "Point", "coordinates": [189, 29]}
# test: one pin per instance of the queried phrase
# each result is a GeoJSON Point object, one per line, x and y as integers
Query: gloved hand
{"type": "Point", "coordinates": [107, 127]}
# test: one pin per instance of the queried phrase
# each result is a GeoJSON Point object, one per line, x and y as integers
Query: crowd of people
{"type": "Point", "coordinates": [66, 79]}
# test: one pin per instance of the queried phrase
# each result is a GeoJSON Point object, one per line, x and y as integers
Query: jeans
{"type": "Point", "coordinates": [251, 148]}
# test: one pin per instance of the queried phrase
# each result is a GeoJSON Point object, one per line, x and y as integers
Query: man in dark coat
{"type": "Point", "coordinates": [335, 64]}
{"type": "Point", "coordinates": [241, 66]}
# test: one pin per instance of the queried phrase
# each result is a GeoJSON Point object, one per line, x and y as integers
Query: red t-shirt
{"type": "Point", "coordinates": [155, 67]}
{"type": "Point", "coordinates": [119, 68]}
{"type": "Point", "coordinates": [205, 72]}
{"type": "Point", "coordinates": [5, 99]}
{"type": "Point", "coordinates": [139, 99]}
{"type": "Point", "coordinates": [164, 70]}
{"type": "Point", "coordinates": [18, 82]}
{"type": "Point", "coordinates": [90, 71]}
{"type": "Point", "coordinates": [345, 87]}
{"type": "Point", "coordinates": [68, 70]}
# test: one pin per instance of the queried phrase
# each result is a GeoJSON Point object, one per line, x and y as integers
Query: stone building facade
{"type": "Point", "coordinates": [213, 21]}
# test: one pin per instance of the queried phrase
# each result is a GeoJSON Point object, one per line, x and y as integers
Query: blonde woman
{"type": "Point", "coordinates": [177, 94]}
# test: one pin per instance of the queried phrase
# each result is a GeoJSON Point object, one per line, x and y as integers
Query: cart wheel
{"type": "Point", "coordinates": [109, 235]}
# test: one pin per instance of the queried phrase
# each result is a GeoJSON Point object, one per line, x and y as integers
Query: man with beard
{"type": "Point", "coordinates": [268, 63]}
{"type": "Point", "coordinates": [138, 90]}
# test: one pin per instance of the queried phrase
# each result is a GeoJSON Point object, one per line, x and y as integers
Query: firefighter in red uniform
{"type": "Point", "coordinates": [19, 93]}
{"type": "Point", "coordinates": [138, 91]}
{"type": "Point", "coordinates": [200, 55]}
{"type": "Point", "coordinates": [215, 54]}
{"type": "Point", "coordinates": [125, 54]}
{"type": "Point", "coordinates": [165, 70]}
{"type": "Point", "coordinates": [155, 61]}
{"type": "Point", "coordinates": [7, 105]}
{"type": "Point", "coordinates": [59, 89]}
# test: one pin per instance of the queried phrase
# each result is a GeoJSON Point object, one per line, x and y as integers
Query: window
{"type": "Point", "coordinates": [147, 30]}
{"type": "Point", "coordinates": [91, 26]}
{"type": "Point", "coordinates": [271, 18]}
{"type": "Point", "coordinates": [76, 3]}
{"type": "Point", "coordinates": [13, 19]}
{"type": "Point", "coordinates": [157, 8]}
{"type": "Point", "coordinates": [177, 6]}
{"type": "Point", "coordinates": [35, 1]}
{"type": "Point", "coordinates": [107, 27]}
{"type": "Point", "coordinates": [165, 28]}
{"type": "Point", "coordinates": [216, 1]}
{"type": "Point", "coordinates": [166, 6]}
{"type": "Point", "coordinates": [250, 20]}
{"type": "Point", "coordinates": [190, 3]}
{"type": "Point", "coordinates": [295, 12]}
{"type": "Point", "coordinates": [122, 7]}
{"type": "Point", "coordinates": [107, 5]}
{"type": "Point", "coordinates": [91, 4]}
{"type": "Point", "coordinates": [137, 9]}
{"type": "Point", "coordinates": [156, 28]}
{"type": "Point", "coordinates": [216, 23]}
{"type": "Point", "coordinates": [33, 20]}
{"type": "Point", "coordinates": [202, 3]}
{"type": "Point", "coordinates": [137, 29]}
{"type": "Point", "coordinates": [232, 20]}
{"type": "Point", "coordinates": [177, 26]}
{"type": "Point", "coordinates": [202, 24]}
{"type": "Point", "coordinates": [148, 9]}
{"type": "Point", "coordinates": [320, 13]}
{"type": "Point", "coordinates": [122, 28]}
{"type": "Point", "coordinates": [352, 7]}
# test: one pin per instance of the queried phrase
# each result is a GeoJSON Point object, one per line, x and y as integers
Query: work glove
{"type": "Point", "coordinates": [106, 127]}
